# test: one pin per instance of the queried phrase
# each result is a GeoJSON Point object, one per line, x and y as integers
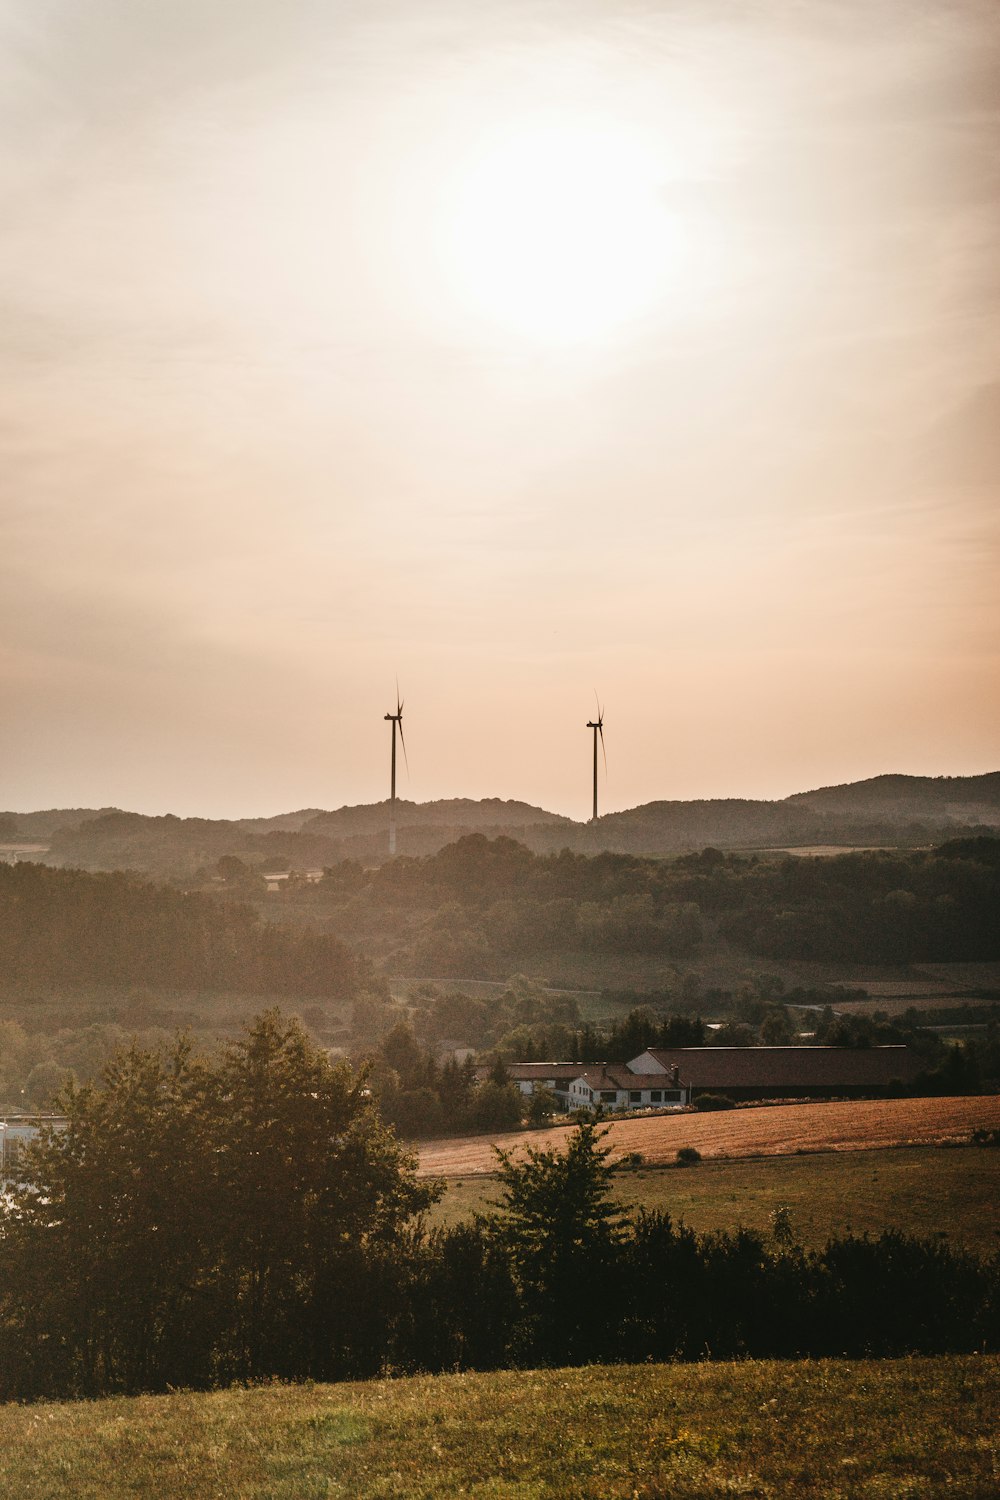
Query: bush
{"type": "Point", "coordinates": [687, 1156]}
{"type": "Point", "coordinates": [631, 1161]}
{"type": "Point", "coordinates": [713, 1101]}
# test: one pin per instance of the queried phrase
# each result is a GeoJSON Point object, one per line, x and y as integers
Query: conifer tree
{"type": "Point", "coordinates": [561, 1226]}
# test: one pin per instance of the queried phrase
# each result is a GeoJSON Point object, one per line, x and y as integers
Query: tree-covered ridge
{"type": "Point", "coordinates": [939, 906]}
{"type": "Point", "coordinates": [885, 810]}
{"type": "Point", "coordinates": [476, 907]}
{"type": "Point", "coordinates": [70, 927]}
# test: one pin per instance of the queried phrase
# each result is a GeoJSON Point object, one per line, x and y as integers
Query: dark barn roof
{"type": "Point", "coordinates": [529, 1071]}
{"type": "Point", "coordinates": [788, 1067]}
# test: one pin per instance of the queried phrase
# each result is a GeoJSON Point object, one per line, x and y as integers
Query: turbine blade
{"type": "Point", "coordinates": [600, 730]}
{"type": "Point", "coordinates": [399, 706]}
{"type": "Point", "coordinates": [402, 741]}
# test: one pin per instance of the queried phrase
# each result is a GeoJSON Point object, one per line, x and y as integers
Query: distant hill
{"type": "Point", "coordinates": [724, 822]}
{"type": "Point", "coordinates": [882, 810]}
{"type": "Point", "coordinates": [902, 798]}
{"type": "Point", "coordinates": [452, 812]}
{"type": "Point", "coordinates": [39, 825]}
{"type": "Point", "coordinates": [891, 810]}
{"type": "Point", "coordinates": [283, 823]}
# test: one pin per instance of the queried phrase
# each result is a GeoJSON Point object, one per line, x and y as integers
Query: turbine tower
{"type": "Point", "coordinates": [395, 719]}
{"type": "Point", "coordinates": [597, 725]}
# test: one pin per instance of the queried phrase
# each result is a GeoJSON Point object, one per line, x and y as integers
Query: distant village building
{"type": "Point", "coordinates": [16, 1133]}
{"type": "Point", "coordinates": [614, 1086]}
{"type": "Point", "coordinates": [776, 1072]}
{"type": "Point", "coordinates": [670, 1077]}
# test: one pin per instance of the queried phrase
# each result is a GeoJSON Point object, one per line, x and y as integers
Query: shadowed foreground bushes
{"type": "Point", "coordinates": [200, 1223]}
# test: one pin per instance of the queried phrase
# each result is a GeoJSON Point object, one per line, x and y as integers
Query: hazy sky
{"type": "Point", "coordinates": [520, 349]}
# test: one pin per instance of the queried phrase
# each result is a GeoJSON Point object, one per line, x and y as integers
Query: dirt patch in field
{"type": "Point", "coordinates": [778, 1130]}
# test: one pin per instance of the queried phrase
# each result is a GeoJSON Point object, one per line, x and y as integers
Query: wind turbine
{"type": "Point", "coordinates": [394, 719]}
{"type": "Point", "coordinates": [597, 725]}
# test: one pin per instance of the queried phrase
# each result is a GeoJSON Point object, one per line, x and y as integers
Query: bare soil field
{"type": "Point", "coordinates": [775, 1130]}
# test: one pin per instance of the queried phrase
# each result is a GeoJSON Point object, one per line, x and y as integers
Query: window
{"type": "Point", "coordinates": [671, 1096]}
{"type": "Point", "coordinates": [609, 1096]}
{"type": "Point", "coordinates": [655, 1095]}
{"type": "Point", "coordinates": [635, 1097]}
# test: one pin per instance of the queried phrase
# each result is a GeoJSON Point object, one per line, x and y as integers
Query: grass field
{"type": "Point", "coordinates": [923, 1190]}
{"type": "Point", "coordinates": [779, 1130]}
{"type": "Point", "coordinates": [832, 1429]}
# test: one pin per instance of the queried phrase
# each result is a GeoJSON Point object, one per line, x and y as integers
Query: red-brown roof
{"type": "Point", "coordinates": [596, 1075]}
{"type": "Point", "coordinates": [783, 1067]}
{"type": "Point", "coordinates": [617, 1076]}
{"type": "Point", "coordinates": [624, 1078]}
{"type": "Point", "coordinates": [536, 1070]}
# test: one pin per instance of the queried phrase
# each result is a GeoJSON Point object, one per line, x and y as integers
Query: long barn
{"type": "Point", "coordinates": [773, 1072]}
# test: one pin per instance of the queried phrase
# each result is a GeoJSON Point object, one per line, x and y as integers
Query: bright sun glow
{"type": "Point", "coordinates": [559, 233]}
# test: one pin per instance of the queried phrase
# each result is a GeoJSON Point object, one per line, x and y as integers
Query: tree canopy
{"type": "Point", "coordinates": [69, 926]}
{"type": "Point", "coordinates": [196, 1222]}
{"type": "Point", "coordinates": [561, 1225]}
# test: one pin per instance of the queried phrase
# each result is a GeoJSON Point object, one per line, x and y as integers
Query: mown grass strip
{"type": "Point", "coordinates": [810, 1428]}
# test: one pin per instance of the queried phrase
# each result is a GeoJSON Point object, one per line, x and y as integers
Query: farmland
{"type": "Point", "coordinates": [781, 1130]}
{"type": "Point", "coordinates": [921, 1190]}
{"type": "Point", "coordinates": [758, 1428]}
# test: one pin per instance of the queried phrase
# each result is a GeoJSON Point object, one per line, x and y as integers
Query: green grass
{"type": "Point", "coordinates": [912, 1427]}
{"type": "Point", "coordinates": [924, 1190]}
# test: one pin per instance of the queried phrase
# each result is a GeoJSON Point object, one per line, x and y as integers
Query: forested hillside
{"type": "Point", "coordinates": [70, 927]}
{"type": "Point", "coordinates": [903, 811]}
{"type": "Point", "coordinates": [482, 908]}
{"type": "Point", "coordinates": [938, 907]}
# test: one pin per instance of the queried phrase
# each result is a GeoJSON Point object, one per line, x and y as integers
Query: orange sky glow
{"type": "Point", "coordinates": [517, 350]}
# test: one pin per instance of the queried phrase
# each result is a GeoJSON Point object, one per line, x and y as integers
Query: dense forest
{"type": "Point", "coordinates": [878, 908]}
{"type": "Point", "coordinates": [71, 928]}
{"type": "Point", "coordinates": [479, 906]}
{"type": "Point", "coordinates": [198, 1223]}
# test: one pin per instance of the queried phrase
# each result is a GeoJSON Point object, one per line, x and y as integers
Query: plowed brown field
{"type": "Point", "coordinates": [777, 1130]}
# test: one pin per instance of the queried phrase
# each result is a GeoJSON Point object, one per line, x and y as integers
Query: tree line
{"type": "Point", "coordinates": [937, 906]}
{"type": "Point", "coordinates": [250, 1217]}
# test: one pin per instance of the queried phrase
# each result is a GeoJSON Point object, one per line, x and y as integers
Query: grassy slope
{"type": "Point", "coordinates": [922, 1190]}
{"type": "Point", "coordinates": [833, 1429]}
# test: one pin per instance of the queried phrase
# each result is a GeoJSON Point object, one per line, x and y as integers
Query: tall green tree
{"type": "Point", "coordinates": [561, 1226]}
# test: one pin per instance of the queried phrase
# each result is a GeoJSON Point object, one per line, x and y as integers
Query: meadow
{"type": "Point", "coordinates": [925, 1190]}
{"type": "Point", "coordinates": [831, 1429]}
